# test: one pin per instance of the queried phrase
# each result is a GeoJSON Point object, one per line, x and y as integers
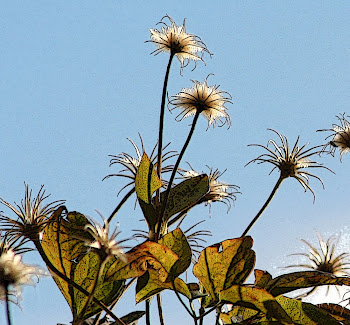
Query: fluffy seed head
{"type": "Point", "coordinates": [131, 164]}
{"type": "Point", "coordinates": [32, 215]}
{"type": "Point", "coordinates": [291, 162]}
{"type": "Point", "coordinates": [324, 259]}
{"type": "Point", "coordinates": [104, 244]}
{"type": "Point", "coordinates": [206, 100]}
{"type": "Point", "coordinates": [219, 191]}
{"type": "Point", "coordinates": [175, 40]}
{"type": "Point", "coordinates": [340, 137]}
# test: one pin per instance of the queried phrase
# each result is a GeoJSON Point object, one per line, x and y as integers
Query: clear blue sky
{"type": "Point", "coordinates": [77, 79]}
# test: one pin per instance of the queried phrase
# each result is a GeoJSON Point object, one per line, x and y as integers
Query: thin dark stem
{"type": "Point", "coordinates": [160, 309]}
{"type": "Point", "coordinates": [279, 181]}
{"type": "Point", "coordinates": [7, 305]}
{"type": "Point", "coordinates": [201, 315]}
{"type": "Point", "coordinates": [120, 204]}
{"type": "Point", "coordinates": [176, 166]}
{"type": "Point", "coordinates": [53, 269]}
{"type": "Point", "coordinates": [161, 118]}
{"type": "Point", "coordinates": [148, 312]}
{"type": "Point", "coordinates": [194, 316]}
{"type": "Point", "coordinates": [217, 316]}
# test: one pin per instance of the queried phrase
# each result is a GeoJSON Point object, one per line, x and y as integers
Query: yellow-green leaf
{"type": "Point", "coordinates": [85, 274]}
{"type": "Point", "coordinates": [185, 195]}
{"type": "Point", "coordinates": [305, 279]}
{"type": "Point", "coordinates": [177, 242]}
{"type": "Point", "coordinates": [62, 247]}
{"type": "Point", "coordinates": [255, 298]}
{"type": "Point", "coordinates": [222, 265]}
{"type": "Point", "coordinates": [146, 180]}
{"type": "Point", "coordinates": [149, 284]}
{"type": "Point", "coordinates": [305, 313]}
{"type": "Point", "coordinates": [149, 255]}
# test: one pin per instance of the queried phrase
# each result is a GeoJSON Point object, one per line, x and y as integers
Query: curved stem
{"type": "Point", "coordinates": [193, 315]}
{"type": "Point", "coordinates": [8, 316]}
{"type": "Point", "coordinates": [279, 181]}
{"type": "Point", "coordinates": [148, 312]}
{"type": "Point", "coordinates": [91, 296]}
{"type": "Point", "coordinates": [120, 204]}
{"type": "Point", "coordinates": [53, 269]}
{"type": "Point", "coordinates": [160, 309]}
{"type": "Point", "coordinates": [176, 166]}
{"type": "Point", "coordinates": [161, 117]}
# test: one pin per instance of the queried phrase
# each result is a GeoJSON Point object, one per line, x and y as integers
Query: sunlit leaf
{"type": "Point", "coordinates": [255, 298]}
{"type": "Point", "coordinates": [185, 195]}
{"type": "Point", "coordinates": [148, 255]}
{"type": "Point", "coordinates": [62, 247]}
{"type": "Point", "coordinates": [305, 279]}
{"type": "Point", "coordinates": [146, 180]}
{"type": "Point", "coordinates": [305, 313]}
{"type": "Point", "coordinates": [149, 284]}
{"type": "Point", "coordinates": [222, 265]}
{"type": "Point", "coordinates": [85, 274]}
{"type": "Point", "coordinates": [177, 242]}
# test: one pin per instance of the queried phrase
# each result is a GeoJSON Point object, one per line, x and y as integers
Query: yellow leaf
{"type": "Point", "coordinates": [146, 180]}
{"type": "Point", "coordinates": [149, 255]}
{"type": "Point", "coordinates": [222, 265]}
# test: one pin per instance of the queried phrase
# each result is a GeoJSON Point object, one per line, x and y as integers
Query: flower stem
{"type": "Point", "coordinates": [161, 118]}
{"type": "Point", "coordinates": [279, 181]}
{"type": "Point", "coordinates": [148, 312]}
{"type": "Point", "coordinates": [176, 166]}
{"type": "Point", "coordinates": [192, 314]}
{"type": "Point", "coordinates": [160, 309]}
{"type": "Point", "coordinates": [120, 204]}
{"type": "Point", "coordinates": [7, 305]}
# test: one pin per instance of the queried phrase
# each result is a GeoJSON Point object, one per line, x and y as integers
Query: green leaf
{"type": "Point", "coordinates": [177, 242]}
{"type": "Point", "coordinates": [148, 255]}
{"type": "Point", "coordinates": [255, 298]}
{"type": "Point", "coordinates": [150, 284]}
{"type": "Point", "coordinates": [185, 195]}
{"type": "Point", "coordinates": [299, 280]}
{"type": "Point", "coordinates": [63, 248]}
{"type": "Point", "coordinates": [305, 313]}
{"type": "Point", "coordinates": [146, 180]}
{"type": "Point", "coordinates": [222, 265]}
{"type": "Point", "coordinates": [85, 274]}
